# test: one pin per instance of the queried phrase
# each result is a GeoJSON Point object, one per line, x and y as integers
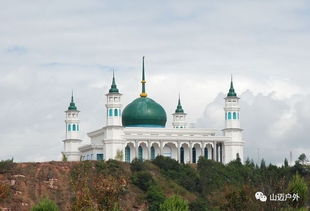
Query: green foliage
{"type": "Point", "coordinates": [302, 158]}
{"type": "Point", "coordinates": [184, 175]}
{"type": "Point", "coordinates": [6, 166]}
{"type": "Point", "coordinates": [174, 203]}
{"type": "Point", "coordinates": [198, 205]}
{"type": "Point", "coordinates": [298, 186]}
{"type": "Point", "coordinates": [137, 165]}
{"type": "Point", "coordinates": [166, 164]}
{"type": "Point", "coordinates": [142, 179]}
{"type": "Point", "coordinates": [45, 205]}
{"type": "Point", "coordinates": [155, 197]}
{"type": "Point", "coordinates": [263, 164]}
{"type": "Point", "coordinates": [64, 158]}
{"type": "Point", "coordinates": [285, 163]}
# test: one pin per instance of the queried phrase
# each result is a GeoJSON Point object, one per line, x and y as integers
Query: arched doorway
{"type": "Point", "coordinates": [152, 153]}
{"type": "Point", "coordinates": [182, 155]}
{"type": "Point", "coordinates": [194, 155]}
{"type": "Point", "coordinates": [127, 154]}
{"type": "Point", "coordinates": [140, 153]}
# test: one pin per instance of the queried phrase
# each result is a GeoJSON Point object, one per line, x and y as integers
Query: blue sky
{"type": "Point", "coordinates": [48, 48]}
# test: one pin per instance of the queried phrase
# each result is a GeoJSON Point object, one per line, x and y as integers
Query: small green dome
{"type": "Point", "coordinates": [144, 112]}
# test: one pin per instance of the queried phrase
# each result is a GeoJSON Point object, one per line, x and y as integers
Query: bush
{"type": "Point", "coordinates": [198, 205]}
{"type": "Point", "coordinates": [137, 165]}
{"type": "Point", "coordinates": [143, 180]}
{"type": "Point", "coordinates": [166, 164]}
{"type": "Point", "coordinates": [45, 205]}
{"type": "Point", "coordinates": [175, 203]}
{"type": "Point", "coordinates": [298, 186]}
{"type": "Point", "coordinates": [155, 197]}
{"type": "Point", "coordinates": [6, 165]}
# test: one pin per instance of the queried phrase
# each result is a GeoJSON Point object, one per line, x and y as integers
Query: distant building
{"type": "Point", "coordinates": [138, 131]}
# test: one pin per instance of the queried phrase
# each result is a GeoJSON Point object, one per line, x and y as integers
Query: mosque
{"type": "Point", "coordinates": [139, 131]}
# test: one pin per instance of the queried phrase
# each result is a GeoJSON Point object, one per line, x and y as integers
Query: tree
{"type": "Point", "coordinates": [285, 163]}
{"type": "Point", "coordinates": [45, 205]}
{"type": "Point", "coordinates": [263, 164]}
{"type": "Point", "coordinates": [297, 185]}
{"type": "Point", "coordinates": [175, 203]}
{"type": "Point", "coordinates": [302, 158]}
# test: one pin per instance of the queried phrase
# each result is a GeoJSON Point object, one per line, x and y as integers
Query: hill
{"type": "Point", "coordinates": [114, 185]}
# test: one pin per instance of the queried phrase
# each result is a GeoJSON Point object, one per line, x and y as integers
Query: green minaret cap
{"type": "Point", "coordinates": [113, 88]}
{"type": "Point", "coordinates": [231, 92]}
{"type": "Point", "coordinates": [179, 107]}
{"type": "Point", "coordinates": [72, 106]}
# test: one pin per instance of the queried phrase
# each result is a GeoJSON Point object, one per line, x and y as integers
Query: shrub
{"type": "Point", "coordinates": [137, 165]}
{"type": "Point", "coordinates": [198, 205]}
{"type": "Point", "coordinates": [298, 186]}
{"type": "Point", "coordinates": [143, 180]}
{"type": "Point", "coordinates": [175, 203]}
{"type": "Point", "coordinates": [155, 197]}
{"type": "Point", "coordinates": [6, 165]}
{"type": "Point", "coordinates": [45, 205]}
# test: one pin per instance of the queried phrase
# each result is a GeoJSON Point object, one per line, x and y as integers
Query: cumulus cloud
{"type": "Point", "coordinates": [48, 48]}
{"type": "Point", "coordinates": [272, 127]}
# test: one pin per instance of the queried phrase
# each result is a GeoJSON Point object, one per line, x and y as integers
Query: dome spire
{"type": "Point", "coordinates": [231, 92]}
{"type": "Point", "coordinates": [143, 93]}
{"type": "Point", "coordinates": [72, 106]}
{"type": "Point", "coordinates": [113, 88]}
{"type": "Point", "coordinates": [179, 107]}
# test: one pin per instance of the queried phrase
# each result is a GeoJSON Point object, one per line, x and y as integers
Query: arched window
{"type": "Point", "coordinates": [194, 155]}
{"type": "Point", "coordinates": [120, 112]}
{"type": "Point", "coordinates": [238, 116]}
{"type": "Point", "coordinates": [110, 112]}
{"type": "Point", "coordinates": [235, 115]}
{"type": "Point", "coordinates": [140, 153]}
{"type": "Point", "coordinates": [115, 112]}
{"type": "Point", "coordinates": [225, 116]}
{"type": "Point", "coordinates": [127, 154]}
{"type": "Point", "coordinates": [77, 127]}
{"type": "Point", "coordinates": [69, 127]}
{"type": "Point", "coordinates": [152, 153]}
{"type": "Point", "coordinates": [73, 127]}
{"type": "Point", "coordinates": [206, 153]}
{"type": "Point", "coordinates": [229, 115]}
{"type": "Point", "coordinates": [182, 155]}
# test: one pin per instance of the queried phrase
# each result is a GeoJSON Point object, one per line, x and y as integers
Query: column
{"type": "Point", "coordinates": [215, 151]}
{"type": "Point", "coordinates": [161, 147]}
{"type": "Point", "coordinates": [149, 150]}
{"type": "Point", "coordinates": [137, 150]}
{"type": "Point", "coordinates": [178, 152]}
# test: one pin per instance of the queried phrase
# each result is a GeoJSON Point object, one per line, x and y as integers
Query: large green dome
{"type": "Point", "coordinates": [144, 112]}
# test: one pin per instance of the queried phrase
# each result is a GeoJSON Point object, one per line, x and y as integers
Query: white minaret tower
{"type": "Point", "coordinates": [234, 147]}
{"type": "Point", "coordinates": [72, 141]}
{"type": "Point", "coordinates": [179, 117]}
{"type": "Point", "coordinates": [114, 106]}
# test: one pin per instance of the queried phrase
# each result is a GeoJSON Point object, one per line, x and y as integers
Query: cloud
{"type": "Point", "coordinates": [52, 47]}
{"type": "Point", "coordinates": [272, 127]}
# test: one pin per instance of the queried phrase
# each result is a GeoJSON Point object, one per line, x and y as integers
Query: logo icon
{"type": "Point", "coordinates": [260, 196]}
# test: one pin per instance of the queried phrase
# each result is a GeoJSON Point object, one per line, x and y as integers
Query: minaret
{"type": "Point", "coordinates": [113, 105]}
{"type": "Point", "coordinates": [179, 117]}
{"type": "Point", "coordinates": [72, 141]}
{"type": "Point", "coordinates": [232, 129]}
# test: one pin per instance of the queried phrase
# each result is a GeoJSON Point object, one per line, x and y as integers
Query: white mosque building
{"type": "Point", "coordinates": [139, 131]}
